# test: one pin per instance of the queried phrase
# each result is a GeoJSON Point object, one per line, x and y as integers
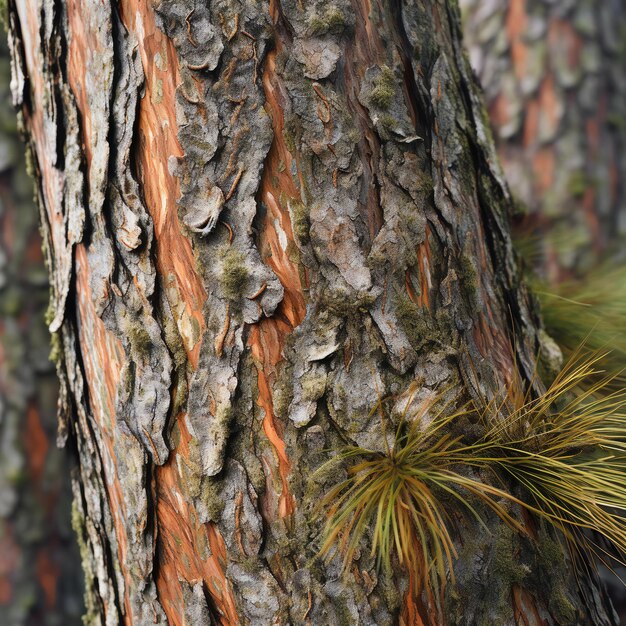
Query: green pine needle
{"type": "Point", "coordinates": [565, 450]}
{"type": "Point", "coordinates": [396, 496]}
{"type": "Point", "coordinates": [589, 311]}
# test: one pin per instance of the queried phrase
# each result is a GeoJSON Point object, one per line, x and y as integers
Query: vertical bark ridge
{"type": "Point", "coordinates": [191, 555]}
{"type": "Point", "coordinates": [99, 347]}
{"type": "Point", "coordinates": [156, 145]}
{"type": "Point", "coordinates": [121, 529]}
{"type": "Point", "coordinates": [278, 191]}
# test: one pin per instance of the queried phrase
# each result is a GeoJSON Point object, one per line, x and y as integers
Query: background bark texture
{"type": "Point", "coordinates": [40, 573]}
{"type": "Point", "coordinates": [261, 218]}
{"type": "Point", "coordinates": [554, 75]}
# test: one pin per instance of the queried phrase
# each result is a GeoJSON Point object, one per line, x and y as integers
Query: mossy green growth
{"type": "Point", "coordinates": [211, 497]}
{"type": "Point", "coordinates": [56, 348]}
{"type": "Point", "coordinates": [291, 133]}
{"type": "Point", "coordinates": [300, 221]}
{"type": "Point", "coordinates": [386, 126]}
{"type": "Point", "coordinates": [469, 278]}
{"type": "Point", "coordinates": [4, 14]}
{"type": "Point", "coordinates": [347, 304]}
{"type": "Point", "coordinates": [128, 379]}
{"type": "Point", "coordinates": [377, 259]}
{"type": "Point", "coordinates": [247, 418]}
{"type": "Point", "coordinates": [388, 121]}
{"type": "Point", "coordinates": [180, 391]}
{"type": "Point", "coordinates": [173, 339]}
{"type": "Point", "coordinates": [332, 21]}
{"type": "Point", "coordinates": [411, 318]}
{"type": "Point", "coordinates": [384, 89]}
{"type": "Point", "coordinates": [140, 340]}
{"type": "Point", "coordinates": [505, 570]}
{"type": "Point", "coordinates": [29, 155]}
{"type": "Point", "coordinates": [419, 325]}
{"type": "Point", "coordinates": [234, 275]}
{"type": "Point", "coordinates": [48, 316]}
{"type": "Point", "coordinates": [342, 612]}
{"type": "Point", "coordinates": [282, 390]}
{"type": "Point", "coordinates": [560, 604]}
{"type": "Point", "coordinates": [509, 570]}
{"type": "Point", "coordinates": [313, 387]}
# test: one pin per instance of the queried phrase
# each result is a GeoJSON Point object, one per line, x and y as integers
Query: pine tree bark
{"type": "Point", "coordinates": [261, 218]}
{"type": "Point", "coordinates": [554, 75]}
{"type": "Point", "coordinates": [40, 573]}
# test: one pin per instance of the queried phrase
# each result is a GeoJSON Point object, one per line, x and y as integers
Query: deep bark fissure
{"type": "Point", "coordinates": [73, 439]}
{"type": "Point", "coordinates": [417, 97]}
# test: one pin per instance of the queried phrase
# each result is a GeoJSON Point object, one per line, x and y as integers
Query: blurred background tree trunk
{"type": "Point", "coordinates": [554, 77]}
{"type": "Point", "coordinates": [40, 572]}
{"type": "Point", "coordinates": [259, 219]}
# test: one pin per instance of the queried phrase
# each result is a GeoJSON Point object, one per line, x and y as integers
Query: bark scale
{"type": "Point", "coordinates": [260, 218]}
{"type": "Point", "coordinates": [554, 75]}
{"type": "Point", "coordinates": [40, 573]}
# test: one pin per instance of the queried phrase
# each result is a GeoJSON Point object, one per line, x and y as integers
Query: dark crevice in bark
{"type": "Point", "coordinates": [57, 60]}
{"type": "Point", "coordinates": [282, 29]}
{"type": "Point", "coordinates": [419, 103]}
{"type": "Point", "coordinates": [369, 145]}
{"type": "Point", "coordinates": [215, 614]}
{"type": "Point", "coordinates": [496, 221]}
{"type": "Point", "coordinates": [279, 581]}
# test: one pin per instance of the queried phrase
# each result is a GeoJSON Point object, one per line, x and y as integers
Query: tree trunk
{"type": "Point", "coordinates": [39, 567]}
{"type": "Point", "coordinates": [260, 219]}
{"type": "Point", "coordinates": [554, 75]}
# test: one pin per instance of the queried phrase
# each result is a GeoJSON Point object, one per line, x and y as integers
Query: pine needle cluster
{"type": "Point", "coordinates": [561, 456]}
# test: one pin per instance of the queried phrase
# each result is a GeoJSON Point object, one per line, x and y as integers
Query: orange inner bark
{"type": "Point", "coordinates": [267, 337]}
{"type": "Point", "coordinates": [180, 534]}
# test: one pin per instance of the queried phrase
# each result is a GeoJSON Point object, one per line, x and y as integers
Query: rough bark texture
{"type": "Point", "coordinates": [40, 574]}
{"type": "Point", "coordinates": [554, 75]}
{"type": "Point", "coordinates": [260, 218]}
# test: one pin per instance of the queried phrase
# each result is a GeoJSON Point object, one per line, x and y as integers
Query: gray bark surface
{"type": "Point", "coordinates": [260, 219]}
